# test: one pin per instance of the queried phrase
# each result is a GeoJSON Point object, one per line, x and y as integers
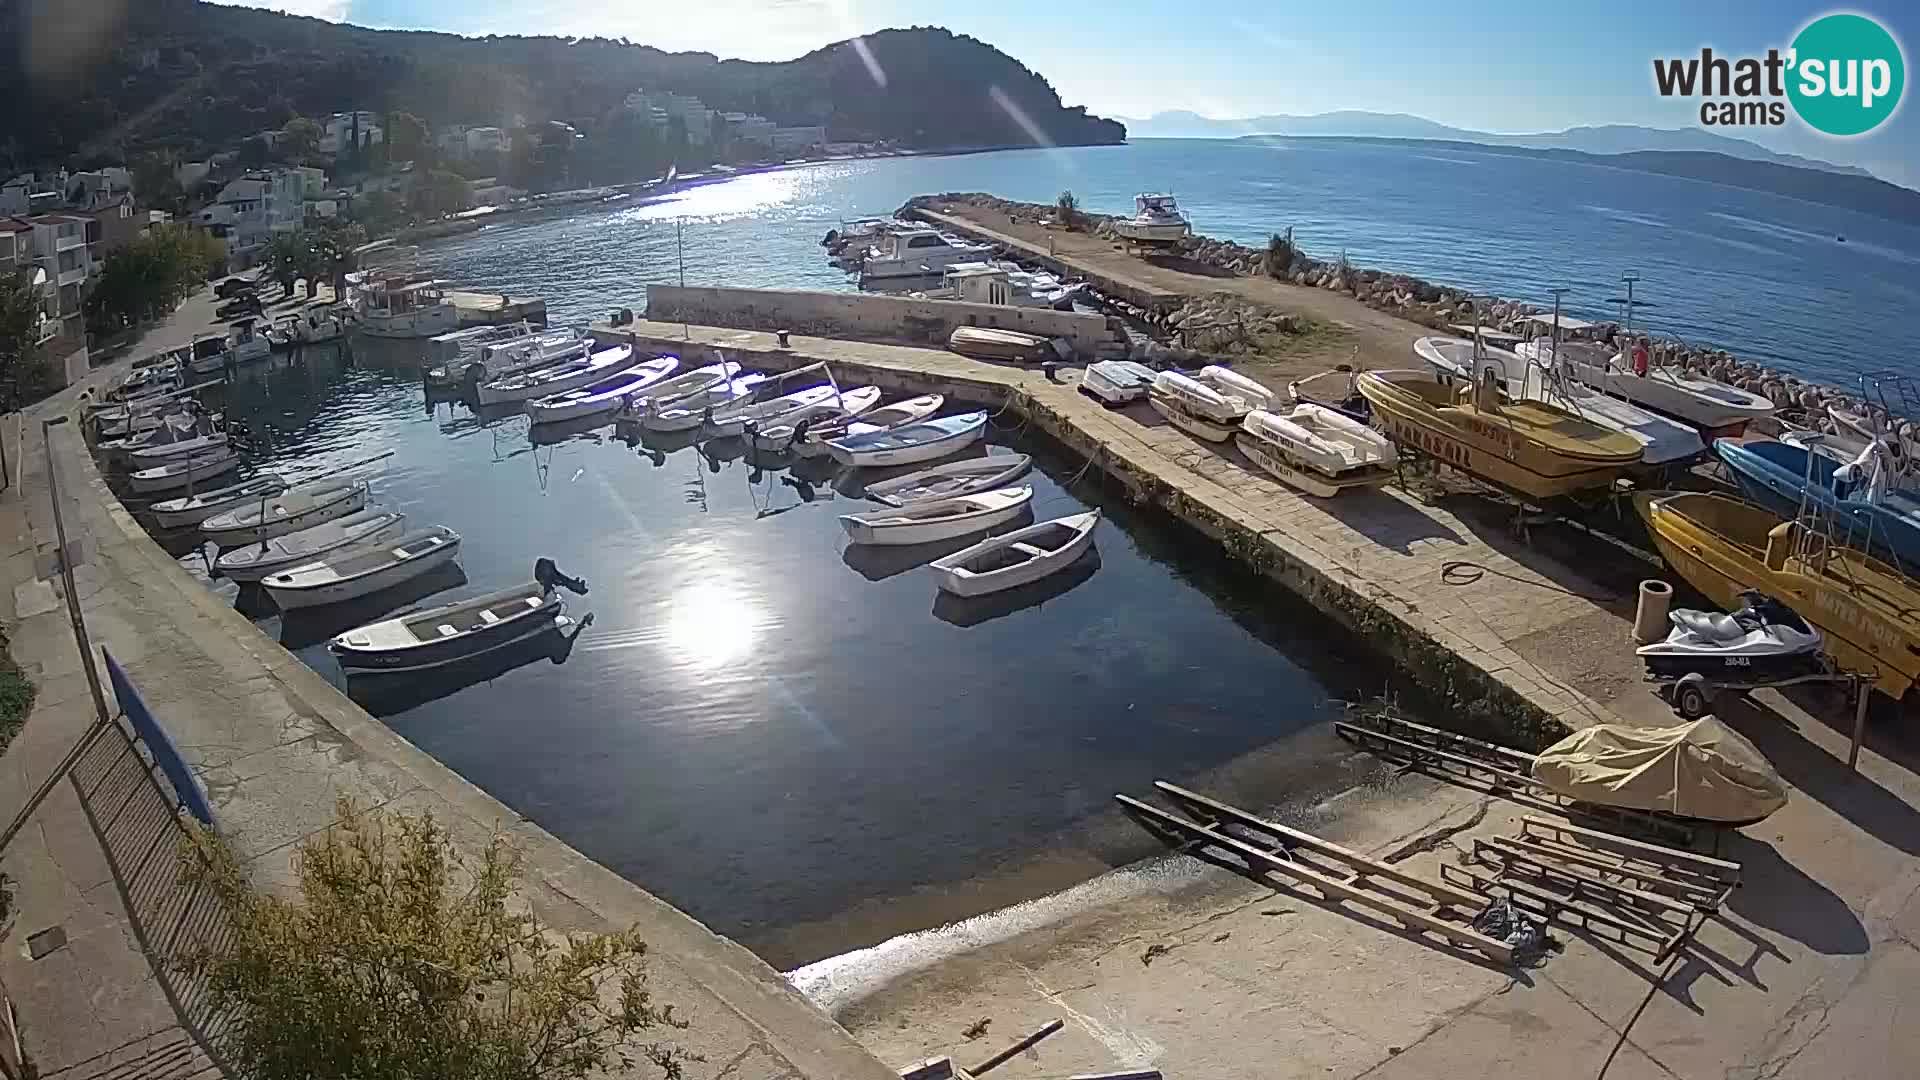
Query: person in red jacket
{"type": "Point", "coordinates": [1640, 356]}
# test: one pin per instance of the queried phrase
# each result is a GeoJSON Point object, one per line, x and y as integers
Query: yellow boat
{"type": "Point", "coordinates": [1869, 611]}
{"type": "Point", "coordinates": [1527, 446]}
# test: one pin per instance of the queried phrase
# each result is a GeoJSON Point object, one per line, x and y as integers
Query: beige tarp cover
{"type": "Point", "coordinates": [1699, 770]}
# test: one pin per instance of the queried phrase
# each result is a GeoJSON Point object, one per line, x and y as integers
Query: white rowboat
{"type": "Point", "coordinates": [180, 473]}
{"type": "Point", "coordinates": [557, 378]}
{"type": "Point", "coordinates": [1018, 558]}
{"type": "Point", "coordinates": [688, 411]}
{"type": "Point", "coordinates": [733, 419]}
{"type": "Point", "coordinates": [604, 396]}
{"type": "Point", "coordinates": [951, 479]}
{"type": "Point", "coordinates": [1321, 439]}
{"type": "Point", "coordinates": [938, 519]}
{"type": "Point", "coordinates": [833, 413]}
{"type": "Point", "coordinates": [193, 509]}
{"type": "Point", "coordinates": [148, 456]}
{"type": "Point", "coordinates": [885, 418]}
{"type": "Point", "coordinates": [914, 443]}
{"type": "Point", "coordinates": [350, 574]}
{"type": "Point", "coordinates": [300, 507]}
{"type": "Point", "coordinates": [449, 634]}
{"type": "Point", "coordinates": [255, 561]}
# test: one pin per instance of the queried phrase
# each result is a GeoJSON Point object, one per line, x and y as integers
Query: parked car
{"type": "Point", "coordinates": [245, 303]}
{"type": "Point", "coordinates": [234, 286]}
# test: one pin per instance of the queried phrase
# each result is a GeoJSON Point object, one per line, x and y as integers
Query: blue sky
{"type": "Point", "coordinates": [1500, 65]}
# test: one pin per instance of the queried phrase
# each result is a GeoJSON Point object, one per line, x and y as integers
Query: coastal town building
{"type": "Point", "coordinates": [486, 140]}
{"type": "Point", "coordinates": [794, 140]}
{"type": "Point", "coordinates": [17, 256]}
{"type": "Point", "coordinates": [191, 174]}
{"type": "Point", "coordinates": [750, 128]}
{"type": "Point", "coordinates": [62, 259]}
{"type": "Point", "coordinates": [251, 209]}
{"type": "Point", "coordinates": [338, 132]}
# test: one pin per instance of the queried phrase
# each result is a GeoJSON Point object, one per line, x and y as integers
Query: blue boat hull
{"type": "Point", "coordinates": [1775, 476]}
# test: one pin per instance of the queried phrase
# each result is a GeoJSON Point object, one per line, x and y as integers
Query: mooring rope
{"type": "Point", "coordinates": [1467, 572]}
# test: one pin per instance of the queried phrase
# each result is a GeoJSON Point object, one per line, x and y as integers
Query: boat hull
{"type": "Point", "coordinates": [1278, 464]}
{"type": "Point", "coordinates": [435, 654]}
{"type": "Point", "coordinates": [927, 532]}
{"type": "Point", "coordinates": [427, 322]}
{"type": "Point", "coordinates": [196, 472]}
{"type": "Point", "coordinates": [347, 503]}
{"type": "Point", "coordinates": [1880, 530]}
{"type": "Point", "coordinates": [931, 450]}
{"type": "Point", "coordinates": [335, 592]}
{"type": "Point", "coordinates": [271, 487]}
{"type": "Point", "coordinates": [255, 571]}
{"type": "Point", "coordinates": [1200, 427]}
{"type": "Point", "coordinates": [1026, 573]}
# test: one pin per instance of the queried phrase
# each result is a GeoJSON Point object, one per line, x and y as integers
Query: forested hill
{"type": "Point", "coordinates": [196, 77]}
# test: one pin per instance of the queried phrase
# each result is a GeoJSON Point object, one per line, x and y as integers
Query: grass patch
{"type": "Point", "coordinates": [1308, 337]}
{"type": "Point", "coordinates": [16, 696]}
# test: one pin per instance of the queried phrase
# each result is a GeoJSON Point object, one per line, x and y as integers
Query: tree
{"type": "Point", "coordinates": [288, 258]}
{"type": "Point", "coordinates": [379, 211]}
{"type": "Point", "coordinates": [333, 243]}
{"type": "Point", "coordinates": [396, 957]}
{"type": "Point", "coordinates": [300, 139]}
{"type": "Point", "coordinates": [1066, 210]}
{"type": "Point", "coordinates": [20, 365]}
{"type": "Point", "coordinates": [151, 275]}
{"type": "Point", "coordinates": [253, 153]}
{"type": "Point", "coordinates": [154, 181]}
{"type": "Point", "coordinates": [408, 139]}
{"type": "Point", "coordinates": [440, 192]}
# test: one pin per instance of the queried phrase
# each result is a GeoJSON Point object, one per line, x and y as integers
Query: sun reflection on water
{"type": "Point", "coordinates": [709, 624]}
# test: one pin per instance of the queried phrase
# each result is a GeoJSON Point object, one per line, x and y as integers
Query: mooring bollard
{"type": "Point", "coordinates": [1650, 618]}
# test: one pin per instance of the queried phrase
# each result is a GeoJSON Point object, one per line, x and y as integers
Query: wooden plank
{"type": "Point", "coordinates": [1721, 869]}
{"type": "Point", "coordinates": [1330, 887]}
{"type": "Point", "coordinates": [1380, 724]}
{"type": "Point", "coordinates": [1516, 779]}
{"type": "Point", "coordinates": [1010, 1052]}
{"type": "Point", "coordinates": [1445, 894]}
{"type": "Point", "coordinates": [1557, 904]}
{"type": "Point", "coordinates": [1687, 891]}
{"type": "Point", "coordinates": [1509, 852]}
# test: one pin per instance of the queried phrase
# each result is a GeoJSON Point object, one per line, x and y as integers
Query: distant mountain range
{"type": "Point", "coordinates": [1604, 139]}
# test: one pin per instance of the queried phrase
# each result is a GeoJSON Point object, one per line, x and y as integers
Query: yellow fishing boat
{"type": "Point", "coordinates": [1526, 446]}
{"type": "Point", "coordinates": [1869, 611]}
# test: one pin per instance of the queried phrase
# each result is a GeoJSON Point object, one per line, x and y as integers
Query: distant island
{"type": "Point", "coordinates": [192, 78]}
{"type": "Point", "coordinates": [1849, 191]}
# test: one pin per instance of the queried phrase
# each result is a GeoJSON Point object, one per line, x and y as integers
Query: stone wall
{"type": "Point", "coordinates": [872, 316]}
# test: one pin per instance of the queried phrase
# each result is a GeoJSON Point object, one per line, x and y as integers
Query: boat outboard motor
{"type": "Point", "coordinates": [550, 577]}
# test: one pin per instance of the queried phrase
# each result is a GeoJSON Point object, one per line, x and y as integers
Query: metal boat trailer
{"type": "Point", "coordinates": [1694, 695]}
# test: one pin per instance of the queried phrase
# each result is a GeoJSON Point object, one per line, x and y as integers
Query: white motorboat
{"type": "Point", "coordinates": [215, 352]}
{"type": "Point", "coordinates": [453, 346]}
{"type": "Point", "coordinates": [194, 509]}
{"type": "Point", "coordinates": [436, 637]}
{"type": "Point", "coordinates": [952, 479]}
{"type": "Point", "coordinates": [1020, 557]}
{"type": "Point", "coordinates": [1117, 382]}
{"type": "Point", "coordinates": [1524, 378]}
{"type": "Point", "coordinates": [730, 420]}
{"type": "Point", "coordinates": [937, 519]}
{"type": "Point", "coordinates": [315, 327]}
{"type": "Point", "coordinates": [813, 442]}
{"type": "Point", "coordinates": [928, 440]}
{"type": "Point", "coordinates": [1316, 449]}
{"type": "Point", "coordinates": [603, 396]}
{"type": "Point", "coordinates": [503, 357]}
{"type": "Point", "coordinates": [350, 574]}
{"type": "Point", "coordinates": [401, 308]}
{"type": "Point", "coordinates": [184, 471]}
{"type": "Point", "coordinates": [1005, 284]}
{"type": "Point", "coordinates": [686, 412]}
{"type": "Point", "coordinates": [301, 507]}
{"type": "Point", "coordinates": [918, 252]}
{"type": "Point", "coordinates": [1715, 407]}
{"type": "Point", "coordinates": [671, 391]}
{"type": "Point", "coordinates": [1208, 404]}
{"type": "Point", "coordinates": [835, 412]}
{"type": "Point", "coordinates": [255, 561]}
{"type": "Point", "coordinates": [148, 456]}
{"type": "Point", "coordinates": [558, 378]}
{"type": "Point", "coordinates": [1156, 220]}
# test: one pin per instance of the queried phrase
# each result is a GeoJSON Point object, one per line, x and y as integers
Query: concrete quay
{"type": "Point", "coordinates": [492, 309]}
{"type": "Point", "coordinates": [1519, 647]}
{"type": "Point", "coordinates": [275, 745]}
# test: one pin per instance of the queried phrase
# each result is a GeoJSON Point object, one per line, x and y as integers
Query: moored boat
{"type": "Point", "coordinates": [351, 573]}
{"type": "Point", "coordinates": [727, 421]}
{"type": "Point", "coordinates": [1525, 446]}
{"type": "Point", "coordinates": [148, 456]}
{"type": "Point", "coordinates": [511, 357]}
{"type": "Point", "coordinates": [184, 471]}
{"type": "Point", "coordinates": [952, 479]}
{"type": "Point", "coordinates": [1020, 557]}
{"type": "Point", "coordinates": [193, 509]}
{"type": "Point", "coordinates": [255, 561]}
{"type": "Point", "coordinates": [813, 442]}
{"type": "Point", "coordinates": [451, 633]}
{"type": "Point", "coordinates": [836, 412]}
{"type": "Point", "coordinates": [557, 378]}
{"type": "Point", "coordinates": [300, 507]}
{"type": "Point", "coordinates": [603, 396]}
{"type": "Point", "coordinates": [938, 519]}
{"type": "Point", "coordinates": [928, 440]}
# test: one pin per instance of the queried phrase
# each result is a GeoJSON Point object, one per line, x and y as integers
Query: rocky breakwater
{"type": "Point", "coordinates": [1214, 321]}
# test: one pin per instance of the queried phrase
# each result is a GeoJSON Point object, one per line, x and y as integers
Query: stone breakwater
{"type": "Point", "coordinates": [1415, 299]}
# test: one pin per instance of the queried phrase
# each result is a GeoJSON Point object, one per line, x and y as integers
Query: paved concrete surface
{"type": "Point", "coordinates": [275, 745]}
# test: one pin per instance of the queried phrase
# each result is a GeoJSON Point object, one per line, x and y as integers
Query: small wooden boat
{"type": "Point", "coordinates": [193, 509]}
{"type": "Point", "coordinates": [148, 456]}
{"type": "Point", "coordinates": [445, 635]}
{"type": "Point", "coordinates": [348, 574]}
{"type": "Point", "coordinates": [833, 412]}
{"type": "Point", "coordinates": [183, 471]}
{"type": "Point", "coordinates": [991, 343]}
{"type": "Point", "coordinates": [1117, 382]}
{"type": "Point", "coordinates": [914, 443]}
{"type": "Point", "coordinates": [603, 396]}
{"type": "Point", "coordinates": [952, 479]}
{"type": "Point", "coordinates": [1208, 404]}
{"type": "Point", "coordinates": [729, 420]}
{"type": "Point", "coordinates": [931, 520]}
{"type": "Point", "coordinates": [1020, 557]}
{"type": "Point", "coordinates": [557, 378]}
{"type": "Point", "coordinates": [255, 561]}
{"type": "Point", "coordinates": [670, 391]}
{"type": "Point", "coordinates": [885, 418]}
{"type": "Point", "coordinates": [301, 507]}
{"type": "Point", "coordinates": [1526, 446]}
{"type": "Point", "coordinates": [688, 411]}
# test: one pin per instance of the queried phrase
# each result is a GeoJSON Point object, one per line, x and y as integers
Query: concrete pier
{"type": "Point", "coordinates": [1518, 644]}
{"type": "Point", "coordinates": [489, 309]}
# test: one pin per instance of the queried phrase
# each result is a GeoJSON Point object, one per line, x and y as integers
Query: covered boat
{"type": "Point", "coordinates": [1018, 558]}
{"type": "Point", "coordinates": [1117, 382]}
{"type": "Point", "coordinates": [938, 519]}
{"type": "Point", "coordinates": [992, 343]}
{"type": "Point", "coordinates": [603, 396]}
{"type": "Point", "coordinates": [300, 507]}
{"type": "Point", "coordinates": [421, 640]}
{"type": "Point", "coordinates": [1702, 770]}
{"type": "Point", "coordinates": [1526, 446]}
{"type": "Point", "coordinates": [953, 478]}
{"type": "Point", "coordinates": [912, 444]}
{"type": "Point", "coordinates": [351, 573]}
{"type": "Point", "coordinates": [255, 561]}
{"type": "Point", "coordinates": [193, 509]}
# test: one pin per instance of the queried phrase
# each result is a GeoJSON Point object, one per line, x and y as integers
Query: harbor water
{"type": "Point", "coordinates": [800, 742]}
{"type": "Point", "coordinates": [1810, 289]}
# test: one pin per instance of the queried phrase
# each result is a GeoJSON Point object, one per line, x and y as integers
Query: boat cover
{"type": "Point", "coordinates": [1700, 770]}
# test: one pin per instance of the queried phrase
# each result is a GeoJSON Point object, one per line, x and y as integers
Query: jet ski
{"type": "Point", "coordinates": [1763, 641]}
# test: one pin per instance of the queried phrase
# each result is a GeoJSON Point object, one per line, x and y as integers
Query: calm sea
{"type": "Point", "coordinates": [1768, 277]}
